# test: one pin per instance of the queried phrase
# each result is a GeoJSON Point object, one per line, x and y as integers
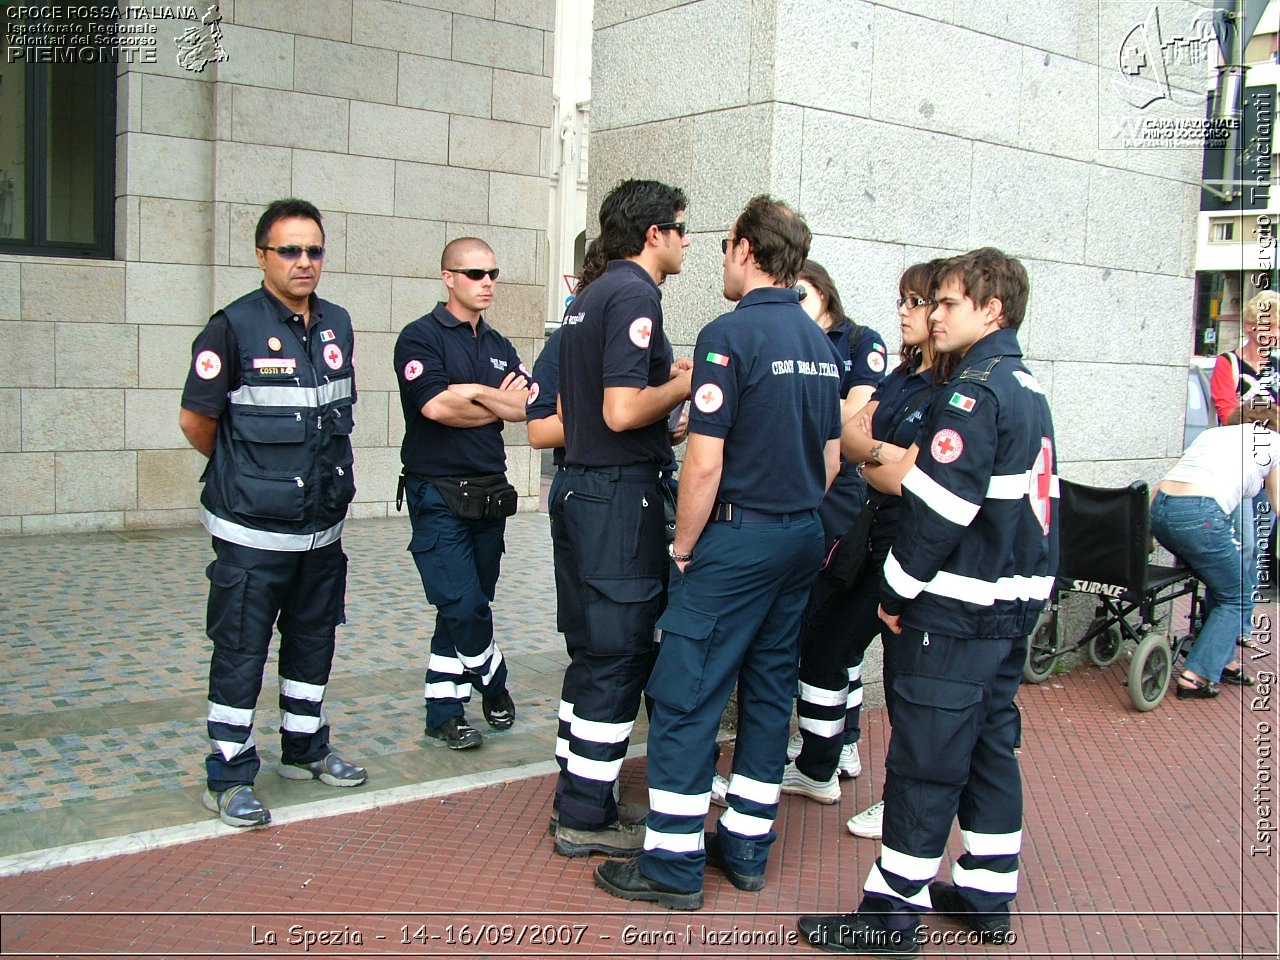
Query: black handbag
{"type": "Point", "coordinates": [849, 555]}
{"type": "Point", "coordinates": [478, 498]}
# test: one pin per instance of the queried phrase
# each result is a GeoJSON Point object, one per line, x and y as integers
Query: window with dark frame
{"type": "Point", "coordinates": [57, 144]}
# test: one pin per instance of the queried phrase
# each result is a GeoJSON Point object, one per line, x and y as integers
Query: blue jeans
{"type": "Point", "coordinates": [1197, 531]}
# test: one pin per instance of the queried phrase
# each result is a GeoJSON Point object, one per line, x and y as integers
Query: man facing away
{"type": "Point", "coordinates": [971, 567]}
{"type": "Point", "coordinates": [764, 446]}
{"type": "Point", "coordinates": [268, 400]}
{"type": "Point", "coordinates": [460, 380]}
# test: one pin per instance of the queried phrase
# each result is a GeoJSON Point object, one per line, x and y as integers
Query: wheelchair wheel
{"type": "Point", "coordinates": [1042, 648]}
{"type": "Point", "coordinates": [1104, 649]}
{"type": "Point", "coordinates": [1150, 671]}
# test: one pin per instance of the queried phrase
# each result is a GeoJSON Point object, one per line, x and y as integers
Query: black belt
{"type": "Point", "coordinates": [649, 472]}
{"type": "Point", "coordinates": [726, 512]}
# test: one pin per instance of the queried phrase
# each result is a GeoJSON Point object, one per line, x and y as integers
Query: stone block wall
{"type": "Point", "coordinates": [908, 130]}
{"type": "Point", "coordinates": [406, 123]}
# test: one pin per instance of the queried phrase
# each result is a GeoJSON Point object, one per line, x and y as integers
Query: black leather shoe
{"type": "Point", "coordinates": [500, 712]}
{"type": "Point", "coordinates": [1199, 691]}
{"type": "Point", "coordinates": [238, 807]}
{"type": "Point", "coordinates": [1236, 677]}
{"type": "Point", "coordinates": [992, 927]}
{"type": "Point", "coordinates": [456, 733]}
{"type": "Point", "coordinates": [852, 933]}
{"type": "Point", "coordinates": [750, 882]}
{"type": "Point", "coordinates": [330, 769]}
{"type": "Point", "coordinates": [622, 878]}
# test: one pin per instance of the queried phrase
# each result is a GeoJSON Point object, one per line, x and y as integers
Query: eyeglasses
{"type": "Point", "coordinates": [679, 226]}
{"type": "Point", "coordinates": [293, 252]}
{"type": "Point", "coordinates": [912, 302]}
{"type": "Point", "coordinates": [725, 243]}
{"type": "Point", "coordinates": [476, 274]}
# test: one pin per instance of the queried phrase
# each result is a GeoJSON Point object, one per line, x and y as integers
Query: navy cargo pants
{"type": "Point", "coordinates": [733, 618]}
{"type": "Point", "coordinates": [249, 589]}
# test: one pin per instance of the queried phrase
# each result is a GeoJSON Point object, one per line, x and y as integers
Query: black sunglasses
{"type": "Point", "coordinates": [912, 302]}
{"type": "Point", "coordinates": [475, 273]}
{"type": "Point", "coordinates": [679, 226]}
{"type": "Point", "coordinates": [724, 244]}
{"type": "Point", "coordinates": [293, 252]}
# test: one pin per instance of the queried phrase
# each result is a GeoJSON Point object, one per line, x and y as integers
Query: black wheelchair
{"type": "Point", "coordinates": [1103, 550]}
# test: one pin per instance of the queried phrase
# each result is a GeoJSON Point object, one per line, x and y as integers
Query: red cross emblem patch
{"type": "Point", "coordinates": [709, 398]}
{"type": "Point", "coordinates": [208, 365]}
{"type": "Point", "coordinates": [640, 332]}
{"type": "Point", "coordinates": [412, 369]}
{"type": "Point", "coordinates": [333, 356]}
{"type": "Point", "coordinates": [947, 446]}
{"type": "Point", "coordinates": [1041, 492]}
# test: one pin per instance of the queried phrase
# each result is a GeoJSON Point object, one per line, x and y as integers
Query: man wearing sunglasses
{"type": "Point", "coordinates": [268, 400]}
{"type": "Point", "coordinates": [618, 383]}
{"type": "Point", "coordinates": [460, 381]}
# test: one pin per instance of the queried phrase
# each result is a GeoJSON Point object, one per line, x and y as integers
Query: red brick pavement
{"type": "Point", "coordinates": [1138, 841]}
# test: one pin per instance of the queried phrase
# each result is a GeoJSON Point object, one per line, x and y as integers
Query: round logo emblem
{"type": "Point", "coordinates": [533, 392]}
{"type": "Point", "coordinates": [641, 330]}
{"type": "Point", "coordinates": [333, 356]}
{"type": "Point", "coordinates": [709, 398]}
{"type": "Point", "coordinates": [875, 360]}
{"type": "Point", "coordinates": [273, 343]}
{"type": "Point", "coordinates": [208, 365]}
{"type": "Point", "coordinates": [947, 446]}
{"type": "Point", "coordinates": [412, 370]}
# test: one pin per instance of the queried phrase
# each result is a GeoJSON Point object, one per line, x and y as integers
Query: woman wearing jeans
{"type": "Point", "coordinates": [1191, 517]}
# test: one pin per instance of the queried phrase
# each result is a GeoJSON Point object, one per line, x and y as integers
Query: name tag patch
{"type": "Point", "coordinates": [275, 364]}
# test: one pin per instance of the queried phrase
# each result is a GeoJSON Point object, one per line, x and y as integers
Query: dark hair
{"type": "Point", "coordinates": [285, 209]}
{"type": "Point", "coordinates": [594, 263]}
{"type": "Point", "coordinates": [816, 275]}
{"type": "Point", "coordinates": [922, 279]}
{"type": "Point", "coordinates": [778, 235]}
{"type": "Point", "coordinates": [1264, 413]}
{"type": "Point", "coordinates": [629, 210]}
{"type": "Point", "coordinates": [988, 274]}
{"type": "Point", "coordinates": [461, 245]}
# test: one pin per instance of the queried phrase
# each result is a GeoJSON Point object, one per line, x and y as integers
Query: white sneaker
{"type": "Point", "coordinates": [720, 791]}
{"type": "Point", "coordinates": [793, 781]}
{"type": "Point", "coordinates": [869, 823]}
{"type": "Point", "coordinates": [794, 745]}
{"type": "Point", "coordinates": [850, 763]}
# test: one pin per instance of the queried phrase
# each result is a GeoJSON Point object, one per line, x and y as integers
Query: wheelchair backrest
{"type": "Point", "coordinates": [1105, 535]}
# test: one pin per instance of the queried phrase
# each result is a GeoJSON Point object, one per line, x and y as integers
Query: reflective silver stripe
{"type": "Point", "coordinates": [596, 731]}
{"type": "Point", "coordinates": [270, 395]}
{"type": "Point", "coordinates": [679, 804]}
{"type": "Point", "coordinates": [745, 825]}
{"type": "Point", "coordinates": [754, 790]}
{"type": "Point", "coordinates": [1015, 486]}
{"type": "Point", "coordinates": [230, 749]}
{"type": "Point", "coordinates": [825, 728]}
{"type": "Point", "coordinates": [992, 844]}
{"type": "Point", "coordinates": [988, 881]}
{"type": "Point", "coordinates": [939, 499]}
{"type": "Point", "coordinates": [257, 395]}
{"type": "Point", "coordinates": [232, 716]}
{"type": "Point", "coordinates": [907, 866]}
{"type": "Point", "coordinates": [264, 539]}
{"type": "Point", "coordinates": [673, 842]}
{"type": "Point", "coordinates": [821, 697]}
{"type": "Point", "coordinates": [877, 886]}
{"type": "Point", "coordinates": [297, 690]}
{"type": "Point", "coordinates": [295, 723]}
{"type": "Point", "coordinates": [985, 592]}
{"type": "Point", "coordinates": [334, 390]}
{"type": "Point", "coordinates": [903, 584]}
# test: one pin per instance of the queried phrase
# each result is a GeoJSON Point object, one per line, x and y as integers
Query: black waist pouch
{"type": "Point", "coordinates": [478, 498]}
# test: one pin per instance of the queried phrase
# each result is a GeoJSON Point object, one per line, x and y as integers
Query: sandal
{"type": "Point", "coordinates": [1199, 689]}
{"type": "Point", "coordinates": [1248, 644]}
{"type": "Point", "coordinates": [1236, 677]}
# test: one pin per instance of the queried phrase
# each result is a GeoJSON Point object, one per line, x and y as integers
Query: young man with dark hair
{"type": "Point", "coordinates": [764, 446]}
{"type": "Point", "coordinates": [618, 383]}
{"type": "Point", "coordinates": [460, 380]}
{"type": "Point", "coordinates": [268, 400]}
{"type": "Point", "coordinates": [971, 568]}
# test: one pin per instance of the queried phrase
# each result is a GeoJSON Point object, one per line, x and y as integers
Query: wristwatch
{"type": "Point", "coordinates": [875, 451]}
{"type": "Point", "coordinates": [678, 557]}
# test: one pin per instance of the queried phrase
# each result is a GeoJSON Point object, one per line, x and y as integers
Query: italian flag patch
{"type": "Point", "coordinates": [962, 402]}
{"type": "Point", "coordinates": [719, 359]}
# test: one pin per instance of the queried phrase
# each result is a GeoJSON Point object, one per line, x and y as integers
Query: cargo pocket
{"type": "Point", "coordinates": [944, 717]}
{"type": "Point", "coordinates": [620, 613]}
{"type": "Point", "coordinates": [338, 600]}
{"type": "Point", "coordinates": [269, 497]}
{"type": "Point", "coordinates": [679, 677]}
{"type": "Point", "coordinates": [433, 567]}
{"type": "Point", "coordinates": [225, 614]}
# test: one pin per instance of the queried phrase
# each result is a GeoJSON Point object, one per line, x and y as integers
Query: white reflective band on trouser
{"type": "Point", "coordinates": [988, 881]}
{"type": "Point", "coordinates": [562, 747]}
{"type": "Point", "coordinates": [230, 749]}
{"type": "Point", "coordinates": [596, 731]}
{"type": "Point", "coordinates": [755, 790]}
{"type": "Point", "coordinates": [855, 673]}
{"type": "Point", "coordinates": [438, 663]}
{"type": "Point", "coordinates": [820, 696]}
{"type": "Point", "coordinates": [445, 690]}
{"type": "Point", "coordinates": [679, 804]}
{"type": "Point", "coordinates": [265, 540]}
{"type": "Point", "coordinates": [939, 499]}
{"type": "Point", "coordinates": [294, 723]}
{"type": "Point", "coordinates": [471, 663]}
{"type": "Point", "coordinates": [823, 728]}
{"type": "Point", "coordinates": [745, 825]}
{"type": "Point", "coordinates": [877, 886]}
{"type": "Point", "coordinates": [566, 711]}
{"type": "Point", "coordinates": [267, 395]}
{"type": "Point", "coordinates": [235, 716]}
{"type": "Point", "coordinates": [903, 584]}
{"type": "Point", "coordinates": [673, 842]}
{"type": "Point", "coordinates": [907, 866]}
{"type": "Point", "coordinates": [855, 699]}
{"type": "Point", "coordinates": [494, 664]}
{"type": "Point", "coordinates": [992, 844]}
{"type": "Point", "coordinates": [297, 690]}
{"type": "Point", "coordinates": [1015, 486]}
{"type": "Point", "coordinates": [604, 771]}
